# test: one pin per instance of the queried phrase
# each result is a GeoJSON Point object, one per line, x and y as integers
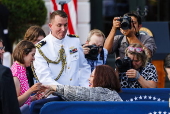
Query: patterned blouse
{"type": "Point", "coordinates": [148, 72]}
{"type": "Point", "coordinates": [77, 93]}
{"type": "Point", "coordinates": [20, 72]}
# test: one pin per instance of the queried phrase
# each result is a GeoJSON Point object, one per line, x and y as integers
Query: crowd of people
{"type": "Point", "coordinates": [77, 72]}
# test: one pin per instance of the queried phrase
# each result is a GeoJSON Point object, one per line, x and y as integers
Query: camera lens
{"type": "Point", "coordinates": [118, 63]}
{"type": "Point", "coordinates": [126, 23]}
{"type": "Point", "coordinates": [93, 53]}
{"type": "Point", "coordinates": [123, 64]}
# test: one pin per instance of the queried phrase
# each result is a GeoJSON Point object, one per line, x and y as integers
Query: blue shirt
{"type": "Point", "coordinates": [100, 61]}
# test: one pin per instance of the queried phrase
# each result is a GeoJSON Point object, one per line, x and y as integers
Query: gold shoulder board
{"type": "Point", "coordinates": [40, 44]}
{"type": "Point", "coordinates": [73, 35]}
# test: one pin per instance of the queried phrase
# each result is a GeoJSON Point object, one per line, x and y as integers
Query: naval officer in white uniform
{"type": "Point", "coordinates": [59, 58]}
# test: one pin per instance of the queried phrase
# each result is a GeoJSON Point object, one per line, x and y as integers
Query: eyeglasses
{"type": "Point", "coordinates": [139, 50]}
{"type": "Point", "coordinates": [2, 48]}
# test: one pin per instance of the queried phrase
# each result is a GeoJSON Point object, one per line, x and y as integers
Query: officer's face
{"type": "Point", "coordinates": [91, 79]}
{"type": "Point", "coordinates": [136, 63]}
{"type": "Point", "coordinates": [59, 26]}
{"type": "Point", "coordinates": [1, 50]}
{"type": "Point", "coordinates": [28, 59]}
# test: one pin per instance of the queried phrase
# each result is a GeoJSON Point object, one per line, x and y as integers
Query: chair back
{"type": "Point", "coordinates": [145, 94]}
{"type": "Point", "coordinates": [100, 107]}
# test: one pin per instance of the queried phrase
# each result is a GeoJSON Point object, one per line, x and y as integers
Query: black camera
{"type": "Point", "coordinates": [123, 64]}
{"type": "Point", "coordinates": [93, 53]}
{"type": "Point", "coordinates": [125, 22]}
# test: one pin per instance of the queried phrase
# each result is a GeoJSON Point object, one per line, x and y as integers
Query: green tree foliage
{"type": "Point", "coordinates": [23, 14]}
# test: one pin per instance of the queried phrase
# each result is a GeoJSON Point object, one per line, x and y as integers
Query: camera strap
{"type": "Point", "coordinates": [120, 40]}
{"type": "Point", "coordinates": [119, 44]}
{"type": "Point", "coordinates": [102, 56]}
{"type": "Point", "coordinates": [91, 63]}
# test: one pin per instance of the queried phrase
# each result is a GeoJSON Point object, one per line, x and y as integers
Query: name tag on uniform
{"type": "Point", "coordinates": [73, 50]}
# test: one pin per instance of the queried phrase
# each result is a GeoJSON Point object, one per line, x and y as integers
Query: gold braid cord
{"type": "Point", "coordinates": [62, 58]}
{"type": "Point", "coordinates": [33, 70]}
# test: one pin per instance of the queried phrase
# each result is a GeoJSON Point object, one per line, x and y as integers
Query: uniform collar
{"type": "Point", "coordinates": [55, 40]}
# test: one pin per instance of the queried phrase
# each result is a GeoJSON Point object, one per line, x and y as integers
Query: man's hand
{"type": "Point", "coordinates": [110, 39]}
{"type": "Point", "coordinates": [86, 49]}
{"type": "Point", "coordinates": [116, 23]}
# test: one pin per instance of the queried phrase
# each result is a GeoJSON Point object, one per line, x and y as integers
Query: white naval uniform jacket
{"type": "Point", "coordinates": [76, 71]}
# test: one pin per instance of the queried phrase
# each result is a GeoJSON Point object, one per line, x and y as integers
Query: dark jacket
{"type": "Point", "coordinates": [8, 97]}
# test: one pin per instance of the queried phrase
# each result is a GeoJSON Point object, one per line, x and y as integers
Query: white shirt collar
{"type": "Point", "coordinates": [55, 40]}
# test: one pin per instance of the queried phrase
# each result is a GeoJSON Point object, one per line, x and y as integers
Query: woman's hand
{"type": "Point", "coordinates": [45, 91]}
{"type": "Point", "coordinates": [33, 98]}
{"type": "Point", "coordinates": [36, 87]}
{"type": "Point", "coordinates": [131, 73]}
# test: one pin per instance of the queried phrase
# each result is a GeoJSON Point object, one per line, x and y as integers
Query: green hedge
{"type": "Point", "coordinates": [23, 14]}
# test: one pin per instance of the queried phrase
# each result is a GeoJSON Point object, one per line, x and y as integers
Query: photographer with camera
{"type": "Point", "coordinates": [93, 49]}
{"type": "Point", "coordinates": [129, 26]}
{"type": "Point", "coordinates": [134, 69]}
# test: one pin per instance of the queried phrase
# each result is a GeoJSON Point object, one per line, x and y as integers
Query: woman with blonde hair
{"type": "Point", "coordinates": [142, 73]}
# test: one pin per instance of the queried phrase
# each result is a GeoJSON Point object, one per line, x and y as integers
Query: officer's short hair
{"type": "Point", "coordinates": [96, 32]}
{"type": "Point", "coordinates": [61, 13]}
{"type": "Point", "coordinates": [23, 48]}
